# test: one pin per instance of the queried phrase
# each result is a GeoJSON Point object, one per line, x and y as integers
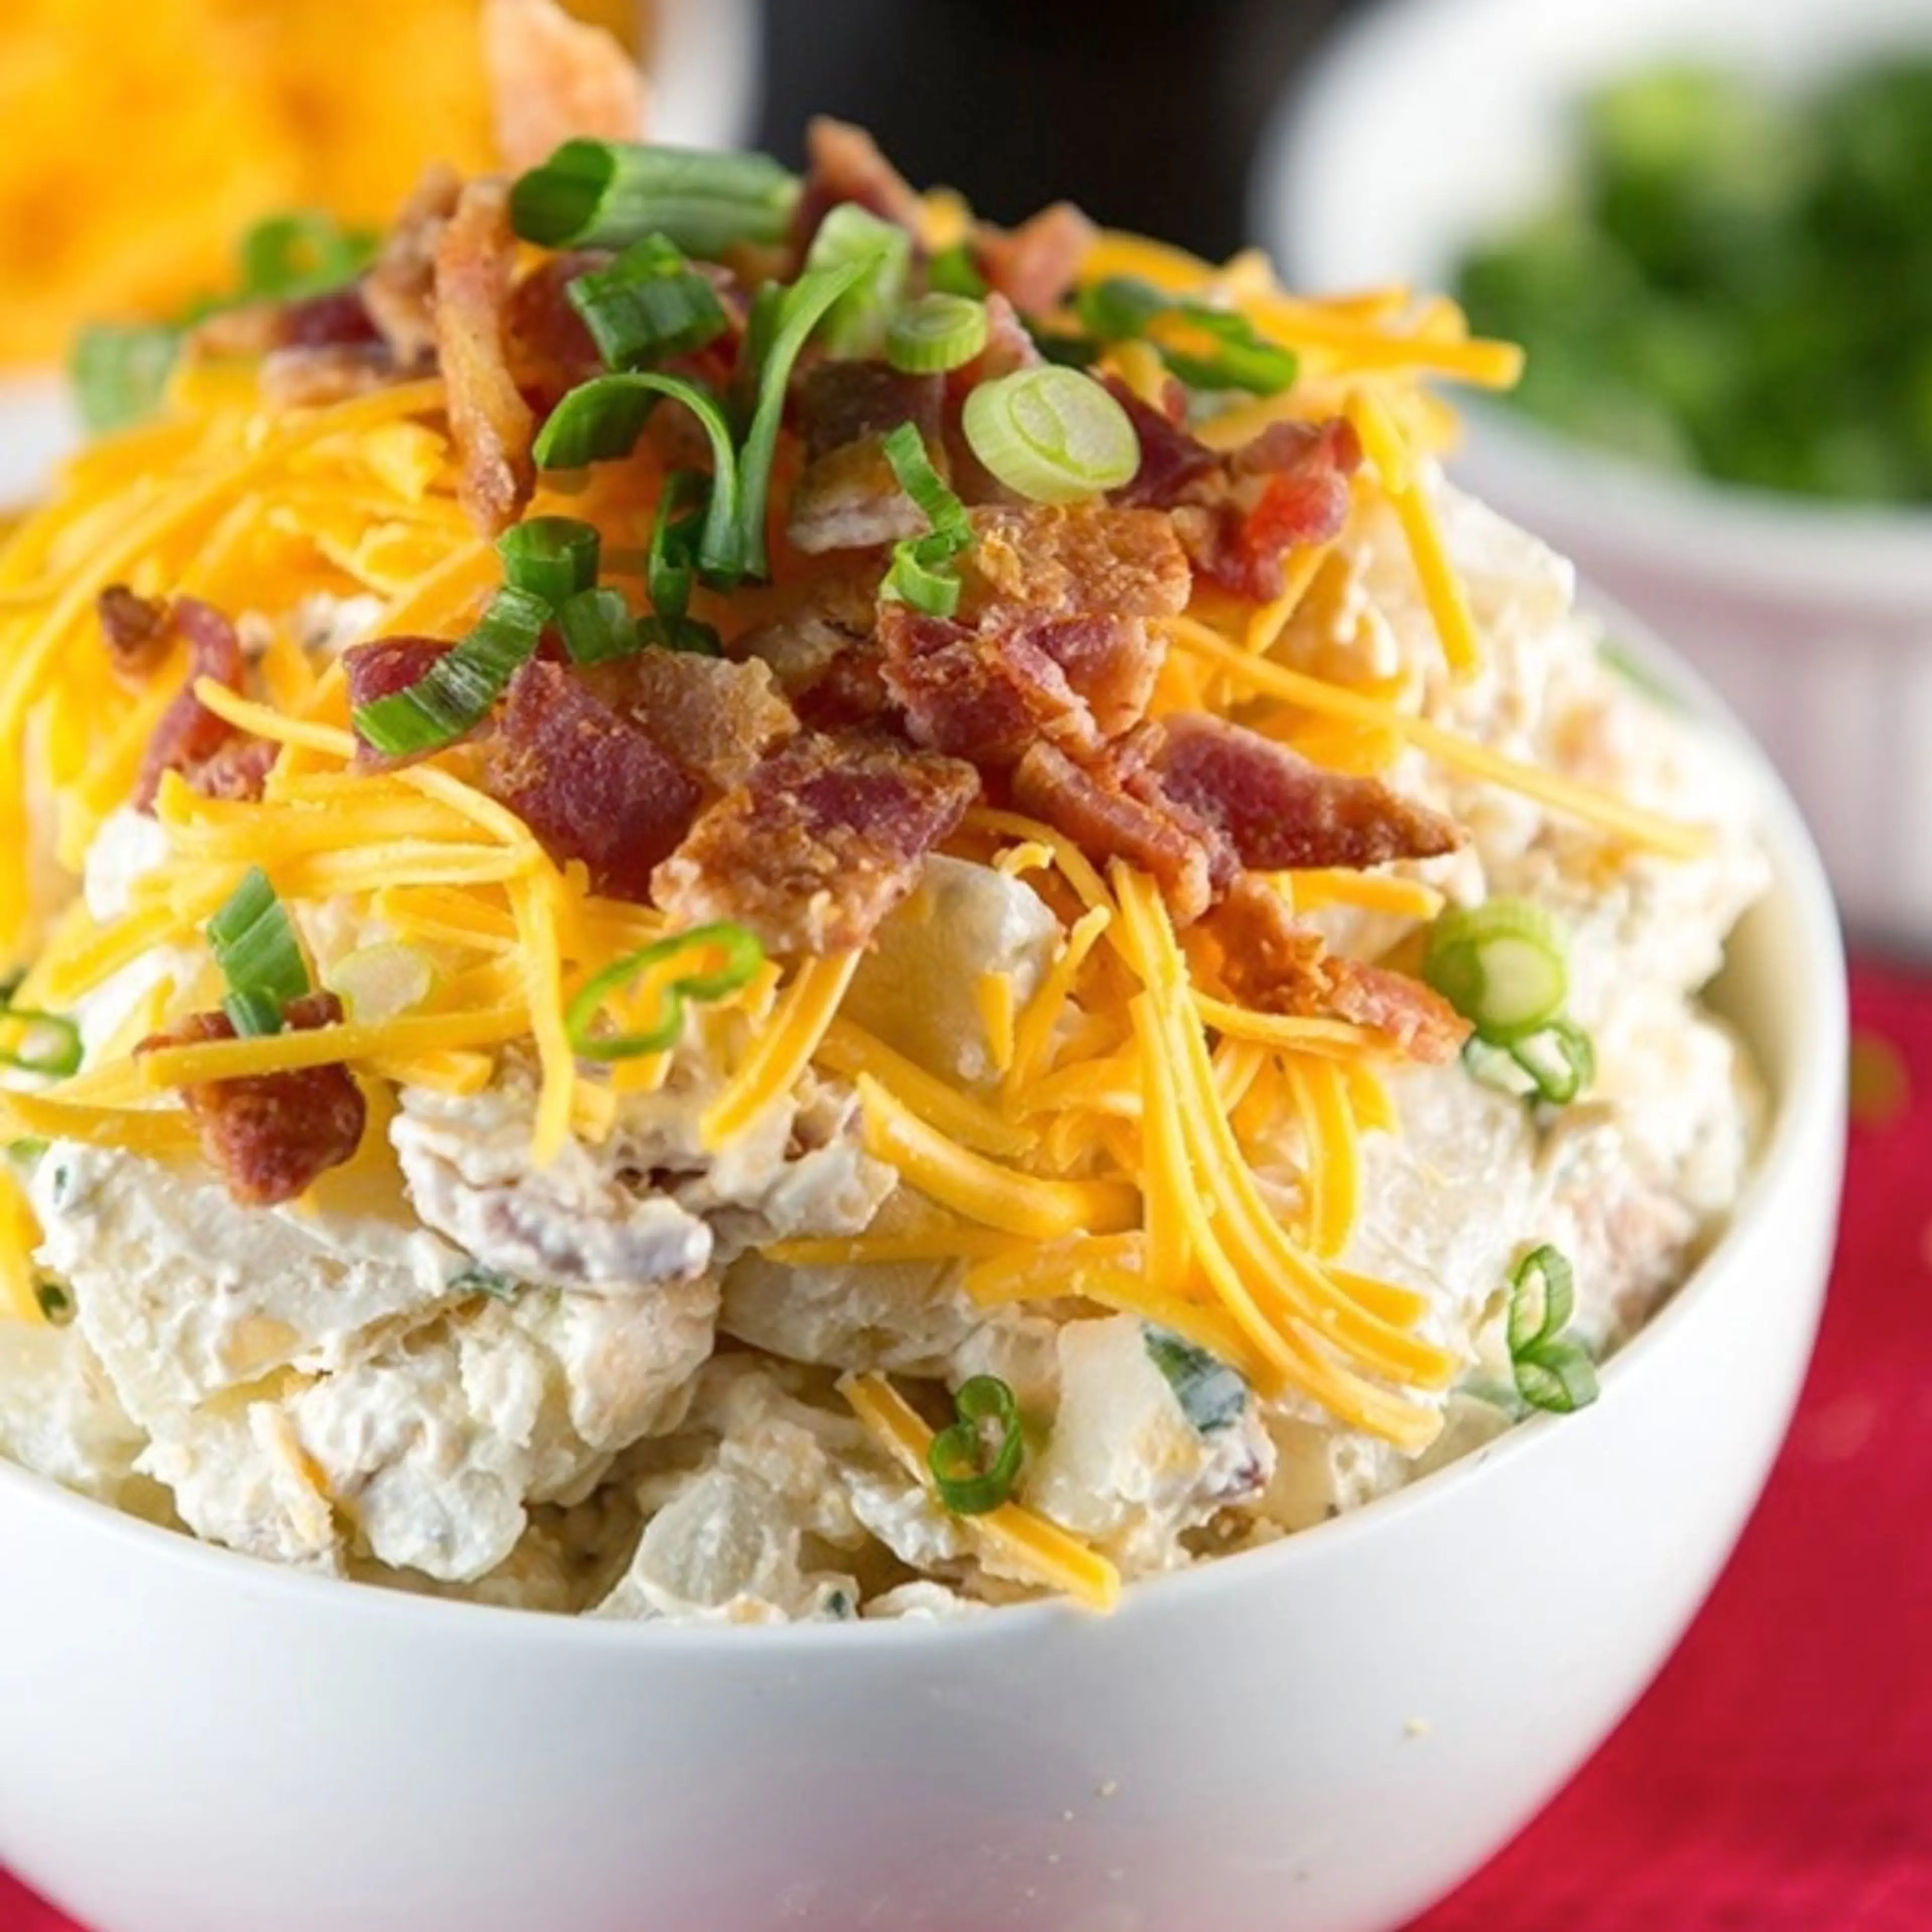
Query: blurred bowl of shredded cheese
{"type": "Point", "coordinates": [224, 112]}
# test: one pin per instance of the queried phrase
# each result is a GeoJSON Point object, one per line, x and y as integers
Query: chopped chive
{"type": "Point", "coordinates": [953, 272]}
{"type": "Point", "coordinates": [1551, 1373]}
{"type": "Point", "coordinates": [119, 372]}
{"type": "Point", "coordinates": [1123, 308]}
{"type": "Point", "coordinates": [1212, 1395]}
{"type": "Point", "coordinates": [598, 626]}
{"type": "Point", "coordinates": [54, 1301]}
{"type": "Point", "coordinates": [922, 573]}
{"type": "Point", "coordinates": [52, 1045]}
{"type": "Point", "coordinates": [855, 325]}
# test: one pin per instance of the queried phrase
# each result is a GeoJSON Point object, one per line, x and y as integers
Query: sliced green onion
{"type": "Point", "coordinates": [1561, 1060]}
{"type": "Point", "coordinates": [610, 194]}
{"type": "Point", "coordinates": [1052, 434]}
{"type": "Point", "coordinates": [381, 980]}
{"type": "Point", "coordinates": [54, 1301]}
{"type": "Point", "coordinates": [1543, 1297]}
{"type": "Point", "coordinates": [1555, 1064]}
{"type": "Point", "coordinates": [739, 956]}
{"type": "Point", "coordinates": [552, 558]}
{"type": "Point", "coordinates": [952, 272]}
{"type": "Point", "coordinates": [1123, 308]}
{"type": "Point", "coordinates": [649, 302]}
{"type": "Point", "coordinates": [669, 567]}
{"type": "Point", "coordinates": [454, 694]}
{"type": "Point", "coordinates": [1212, 1395]}
{"type": "Point", "coordinates": [254, 942]}
{"type": "Point", "coordinates": [52, 1046]}
{"type": "Point", "coordinates": [799, 311]}
{"type": "Point", "coordinates": [922, 573]}
{"type": "Point", "coordinates": [855, 325]}
{"type": "Point", "coordinates": [305, 253]}
{"type": "Point", "coordinates": [119, 372]}
{"type": "Point", "coordinates": [971, 1481]}
{"type": "Point", "coordinates": [481, 1280]}
{"type": "Point", "coordinates": [1551, 1373]}
{"type": "Point", "coordinates": [1501, 965]}
{"type": "Point", "coordinates": [27, 1147]}
{"type": "Point", "coordinates": [1562, 1378]}
{"type": "Point", "coordinates": [936, 333]}
{"type": "Point", "coordinates": [598, 626]}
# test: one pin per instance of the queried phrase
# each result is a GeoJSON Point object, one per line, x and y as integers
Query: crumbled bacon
{"type": "Point", "coordinates": [824, 653]}
{"type": "Point", "coordinates": [986, 694]}
{"type": "Point", "coordinates": [1085, 559]}
{"type": "Point", "coordinates": [188, 734]}
{"type": "Point", "coordinates": [591, 784]}
{"type": "Point", "coordinates": [238, 771]}
{"type": "Point", "coordinates": [381, 669]}
{"type": "Point", "coordinates": [1096, 805]}
{"type": "Point", "coordinates": [491, 423]}
{"type": "Point", "coordinates": [305, 378]}
{"type": "Point", "coordinates": [399, 291]}
{"type": "Point", "coordinates": [549, 348]}
{"type": "Point", "coordinates": [843, 164]}
{"type": "Point", "coordinates": [552, 78]}
{"type": "Point", "coordinates": [135, 629]}
{"type": "Point", "coordinates": [1034, 265]}
{"type": "Point", "coordinates": [1242, 544]}
{"type": "Point", "coordinates": [819, 845]}
{"type": "Point", "coordinates": [272, 1135]}
{"type": "Point", "coordinates": [1279, 966]}
{"type": "Point", "coordinates": [1279, 812]}
{"type": "Point", "coordinates": [848, 497]}
{"type": "Point", "coordinates": [1172, 460]}
{"type": "Point", "coordinates": [720, 718]}
{"type": "Point", "coordinates": [1009, 348]}
{"type": "Point", "coordinates": [338, 319]}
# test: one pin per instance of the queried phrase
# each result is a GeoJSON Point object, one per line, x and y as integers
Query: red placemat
{"type": "Point", "coordinates": [1778, 1777]}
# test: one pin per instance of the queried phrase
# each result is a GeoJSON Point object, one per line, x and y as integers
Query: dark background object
{"type": "Point", "coordinates": [1146, 115]}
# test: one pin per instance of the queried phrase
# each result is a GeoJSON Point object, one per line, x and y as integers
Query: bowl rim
{"type": "Point", "coordinates": [1870, 557]}
{"type": "Point", "coordinates": [1813, 1090]}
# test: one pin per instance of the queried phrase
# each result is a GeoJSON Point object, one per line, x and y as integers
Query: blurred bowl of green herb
{"type": "Point", "coordinates": [1711, 225]}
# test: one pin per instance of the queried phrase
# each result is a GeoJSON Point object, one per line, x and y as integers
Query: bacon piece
{"type": "Point", "coordinates": [1009, 348]}
{"type": "Point", "coordinates": [135, 629]}
{"type": "Point", "coordinates": [238, 771]}
{"type": "Point", "coordinates": [306, 377]}
{"type": "Point", "coordinates": [1085, 559]}
{"type": "Point", "coordinates": [1172, 460]}
{"type": "Point", "coordinates": [721, 717]}
{"type": "Point", "coordinates": [338, 319]}
{"type": "Point", "coordinates": [1242, 544]}
{"type": "Point", "coordinates": [1416, 1017]}
{"type": "Point", "coordinates": [1279, 966]}
{"type": "Point", "coordinates": [986, 694]}
{"type": "Point", "coordinates": [1034, 265]}
{"type": "Point", "coordinates": [843, 164]}
{"type": "Point", "coordinates": [589, 784]}
{"type": "Point", "coordinates": [491, 423]}
{"type": "Point", "coordinates": [848, 497]}
{"type": "Point", "coordinates": [380, 669]}
{"type": "Point", "coordinates": [549, 347]}
{"type": "Point", "coordinates": [823, 654]}
{"type": "Point", "coordinates": [1279, 812]}
{"type": "Point", "coordinates": [188, 734]}
{"type": "Point", "coordinates": [1095, 805]}
{"type": "Point", "coordinates": [272, 1135]}
{"type": "Point", "coordinates": [398, 291]}
{"type": "Point", "coordinates": [825, 838]}
{"type": "Point", "coordinates": [552, 78]}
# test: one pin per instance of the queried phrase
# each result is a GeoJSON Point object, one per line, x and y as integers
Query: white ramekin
{"type": "Point", "coordinates": [1327, 1734]}
{"type": "Point", "coordinates": [1426, 124]}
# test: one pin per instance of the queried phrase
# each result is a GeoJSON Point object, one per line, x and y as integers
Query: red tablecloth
{"type": "Point", "coordinates": [1778, 1777]}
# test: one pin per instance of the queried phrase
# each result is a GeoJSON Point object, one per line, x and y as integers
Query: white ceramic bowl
{"type": "Point", "coordinates": [1328, 1734]}
{"type": "Point", "coordinates": [1428, 123]}
{"type": "Point", "coordinates": [705, 71]}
